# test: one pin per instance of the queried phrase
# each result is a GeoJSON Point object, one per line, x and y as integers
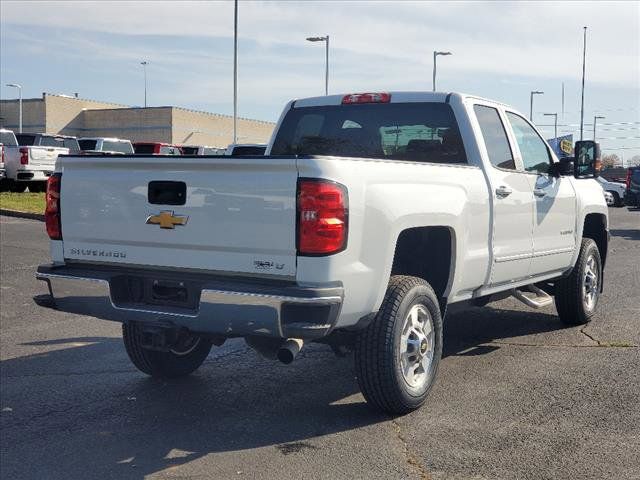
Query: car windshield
{"type": "Point", "coordinates": [422, 132]}
{"type": "Point", "coordinates": [8, 138]}
{"type": "Point", "coordinates": [48, 141]}
{"type": "Point", "coordinates": [145, 148]}
{"type": "Point", "coordinates": [87, 144]}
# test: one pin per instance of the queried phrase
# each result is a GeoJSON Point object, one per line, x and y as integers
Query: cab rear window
{"type": "Point", "coordinates": [421, 132]}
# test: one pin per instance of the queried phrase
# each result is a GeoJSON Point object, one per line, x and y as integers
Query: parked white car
{"type": "Point", "coordinates": [370, 217]}
{"type": "Point", "coordinates": [8, 139]}
{"type": "Point", "coordinates": [32, 161]}
{"type": "Point", "coordinates": [617, 191]}
{"type": "Point", "coordinates": [102, 145]}
{"type": "Point", "coordinates": [202, 150]}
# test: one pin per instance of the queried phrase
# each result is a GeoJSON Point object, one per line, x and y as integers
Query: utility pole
{"type": "Point", "coordinates": [235, 71]}
{"type": "Point", "coordinates": [562, 117]}
{"type": "Point", "coordinates": [595, 119]}
{"type": "Point", "coordinates": [535, 92]}
{"type": "Point", "coordinates": [144, 66]}
{"type": "Point", "coordinates": [584, 60]}
{"type": "Point", "coordinates": [19, 87]}
{"type": "Point", "coordinates": [326, 64]}
{"type": "Point", "coordinates": [435, 54]}
{"type": "Point", "coordinates": [555, 123]}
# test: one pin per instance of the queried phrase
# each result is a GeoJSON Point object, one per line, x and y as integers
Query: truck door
{"type": "Point", "coordinates": [512, 201]}
{"type": "Point", "coordinates": [554, 212]}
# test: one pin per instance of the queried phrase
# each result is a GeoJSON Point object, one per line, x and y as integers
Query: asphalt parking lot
{"type": "Point", "coordinates": [518, 395]}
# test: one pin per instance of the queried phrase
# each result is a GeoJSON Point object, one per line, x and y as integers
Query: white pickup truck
{"type": "Point", "coordinates": [369, 216]}
{"type": "Point", "coordinates": [7, 139]}
{"type": "Point", "coordinates": [32, 161]}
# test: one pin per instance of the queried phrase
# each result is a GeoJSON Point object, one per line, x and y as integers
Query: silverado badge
{"type": "Point", "coordinates": [166, 219]}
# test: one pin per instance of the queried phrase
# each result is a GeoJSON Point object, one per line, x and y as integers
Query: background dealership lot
{"type": "Point", "coordinates": [518, 395]}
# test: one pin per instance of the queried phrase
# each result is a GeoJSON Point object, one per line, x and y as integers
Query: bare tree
{"type": "Point", "coordinates": [610, 161]}
{"type": "Point", "coordinates": [634, 161]}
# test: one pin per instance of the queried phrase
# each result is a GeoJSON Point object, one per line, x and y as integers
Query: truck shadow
{"type": "Point", "coordinates": [96, 416]}
{"type": "Point", "coordinates": [628, 234]}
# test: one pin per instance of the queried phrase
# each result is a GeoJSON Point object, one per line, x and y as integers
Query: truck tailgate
{"type": "Point", "coordinates": [238, 214]}
{"type": "Point", "coordinates": [45, 156]}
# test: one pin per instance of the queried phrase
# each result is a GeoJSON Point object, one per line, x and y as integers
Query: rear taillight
{"type": "Point", "coordinates": [24, 156]}
{"type": "Point", "coordinates": [52, 207]}
{"type": "Point", "coordinates": [366, 98]}
{"type": "Point", "coordinates": [322, 208]}
{"type": "Point", "coordinates": [628, 179]}
{"type": "Point", "coordinates": [1, 154]}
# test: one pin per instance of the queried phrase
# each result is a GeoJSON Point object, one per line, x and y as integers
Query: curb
{"type": "Point", "coordinates": [15, 213]}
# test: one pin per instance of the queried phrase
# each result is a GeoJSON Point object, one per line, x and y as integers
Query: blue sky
{"type": "Point", "coordinates": [501, 50]}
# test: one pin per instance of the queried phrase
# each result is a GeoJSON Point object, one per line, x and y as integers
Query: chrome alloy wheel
{"type": "Point", "coordinates": [590, 283]}
{"type": "Point", "coordinates": [185, 345]}
{"type": "Point", "coordinates": [417, 346]}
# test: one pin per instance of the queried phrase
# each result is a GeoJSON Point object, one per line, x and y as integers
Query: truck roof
{"type": "Point", "coordinates": [396, 97]}
{"type": "Point", "coordinates": [110, 139]}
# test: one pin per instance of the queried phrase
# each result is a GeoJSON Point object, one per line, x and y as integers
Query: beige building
{"type": "Point", "coordinates": [89, 118]}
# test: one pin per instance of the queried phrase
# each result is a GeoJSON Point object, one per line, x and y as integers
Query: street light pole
{"type": "Point", "coordinates": [555, 123]}
{"type": "Point", "coordinates": [535, 92]}
{"type": "Point", "coordinates": [595, 119]}
{"type": "Point", "coordinates": [584, 61]}
{"type": "Point", "coordinates": [19, 87]}
{"type": "Point", "coordinates": [435, 54]}
{"type": "Point", "coordinates": [144, 67]}
{"type": "Point", "coordinates": [235, 71]}
{"type": "Point", "coordinates": [326, 66]}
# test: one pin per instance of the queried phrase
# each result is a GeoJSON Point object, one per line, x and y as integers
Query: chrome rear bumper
{"type": "Point", "coordinates": [215, 305]}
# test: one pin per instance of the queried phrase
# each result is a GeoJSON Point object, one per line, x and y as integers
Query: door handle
{"type": "Point", "coordinates": [538, 192]}
{"type": "Point", "coordinates": [503, 191]}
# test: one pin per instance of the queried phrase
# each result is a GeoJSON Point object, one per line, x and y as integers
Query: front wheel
{"type": "Point", "coordinates": [617, 201]}
{"type": "Point", "coordinates": [184, 357]}
{"type": "Point", "coordinates": [397, 355]}
{"type": "Point", "coordinates": [577, 295]}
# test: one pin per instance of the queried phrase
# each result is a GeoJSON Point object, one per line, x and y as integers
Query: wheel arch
{"type": "Point", "coordinates": [427, 252]}
{"type": "Point", "coordinates": [595, 227]}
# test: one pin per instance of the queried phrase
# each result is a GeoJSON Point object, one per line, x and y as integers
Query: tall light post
{"type": "Point", "coordinates": [535, 92]}
{"type": "Point", "coordinates": [584, 62]}
{"type": "Point", "coordinates": [19, 87]}
{"type": "Point", "coordinates": [326, 64]}
{"type": "Point", "coordinates": [555, 123]}
{"type": "Point", "coordinates": [595, 119]}
{"type": "Point", "coordinates": [235, 71]}
{"type": "Point", "coordinates": [435, 54]}
{"type": "Point", "coordinates": [144, 67]}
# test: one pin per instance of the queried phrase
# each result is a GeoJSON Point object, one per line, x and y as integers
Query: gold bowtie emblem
{"type": "Point", "coordinates": [167, 219]}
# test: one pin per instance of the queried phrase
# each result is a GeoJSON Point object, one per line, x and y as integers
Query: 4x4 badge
{"type": "Point", "coordinates": [166, 219]}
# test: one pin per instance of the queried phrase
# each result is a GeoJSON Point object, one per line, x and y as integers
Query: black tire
{"type": "Point", "coordinates": [17, 187]}
{"type": "Point", "coordinates": [378, 351]}
{"type": "Point", "coordinates": [617, 201]}
{"type": "Point", "coordinates": [163, 364]}
{"type": "Point", "coordinates": [571, 296]}
{"type": "Point", "coordinates": [37, 187]}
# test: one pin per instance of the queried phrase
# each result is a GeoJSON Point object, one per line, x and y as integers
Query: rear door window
{"type": "Point", "coordinates": [7, 138]}
{"type": "Point", "coordinates": [421, 132]}
{"type": "Point", "coordinates": [495, 137]}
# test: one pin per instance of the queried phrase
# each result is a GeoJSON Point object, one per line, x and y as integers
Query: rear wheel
{"type": "Point", "coordinates": [185, 356]}
{"type": "Point", "coordinates": [17, 187]}
{"type": "Point", "coordinates": [397, 355]}
{"type": "Point", "coordinates": [617, 201]}
{"type": "Point", "coordinates": [577, 295]}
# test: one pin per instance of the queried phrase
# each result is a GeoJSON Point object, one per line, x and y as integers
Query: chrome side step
{"type": "Point", "coordinates": [533, 296]}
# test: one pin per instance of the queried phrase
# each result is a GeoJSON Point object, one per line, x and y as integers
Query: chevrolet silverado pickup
{"type": "Point", "coordinates": [32, 161]}
{"type": "Point", "coordinates": [370, 216]}
{"type": "Point", "coordinates": [7, 139]}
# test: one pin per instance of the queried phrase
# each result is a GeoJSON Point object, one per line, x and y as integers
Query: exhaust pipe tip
{"type": "Point", "coordinates": [289, 350]}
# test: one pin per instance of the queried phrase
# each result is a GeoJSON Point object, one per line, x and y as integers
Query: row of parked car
{"type": "Point", "coordinates": [28, 159]}
{"type": "Point", "coordinates": [621, 186]}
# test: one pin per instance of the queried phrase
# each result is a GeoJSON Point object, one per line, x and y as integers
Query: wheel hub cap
{"type": "Point", "coordinates": [417, 346]}
{"type": "Point", "coordinates": [590, 284]}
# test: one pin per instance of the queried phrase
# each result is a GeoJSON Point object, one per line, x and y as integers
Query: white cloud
{"type": "Point", "coordinates": [519, 38]}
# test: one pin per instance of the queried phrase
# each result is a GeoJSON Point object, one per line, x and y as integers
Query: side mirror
{"type": "Point", "coordinates": [563, 168]}
{"type": "Point", "coordinates": [587, 159]}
